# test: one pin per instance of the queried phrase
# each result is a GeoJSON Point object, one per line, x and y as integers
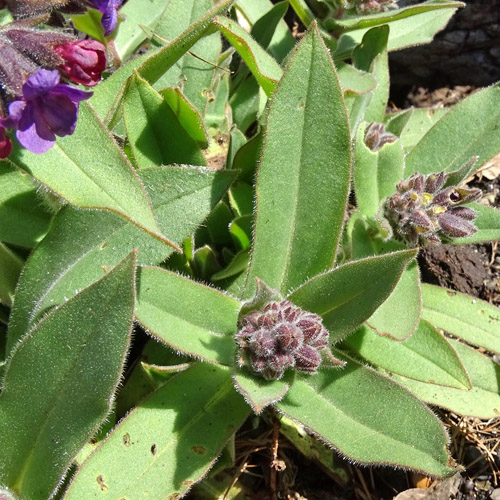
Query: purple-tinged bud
{"type": "Point", "coordinates": [454, 226]}
{"type": "Point", "coordinates": [463, 212]}
{"type": "Point", "coordinates": [288, 336]}
{"type": "Point", "coordinates": [376, 137]}
{"type": "Point", "coordinates": [420, 212]}
{"type": "Point", "coordinates": [307, 359]}
{"type": "Point", "coordinates": [279, 337]}
{"type": "Point", "coordinates": [262, 344]}
{"type": "Point", "coordinates": [435, 182]}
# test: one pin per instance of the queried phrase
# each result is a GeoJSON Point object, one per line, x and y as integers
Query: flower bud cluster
{"type": "Point", "coordinates": [279, 337]}
{"type": "Point", "coordinates": [422, 212]}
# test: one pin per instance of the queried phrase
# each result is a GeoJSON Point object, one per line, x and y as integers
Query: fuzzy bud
{"type": "Point", "coordinates": [376, 137]}
{"type": "Point", "coordinates": [279, 337]}
{"type": "Point", "coordinates": [421, 212]}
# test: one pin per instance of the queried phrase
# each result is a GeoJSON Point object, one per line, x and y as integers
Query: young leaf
{"type": "Point", "coordinates": [189, 117]}
{"type": "Point", "coordinates": [155, 134]}
{"type": "Point", "coordinates": [375, 420]}
{"type": "Point", "coordinates": [163, 447]}
{"type": "Point", "coordinates": [353, 80]}
{"type": "Point", "coordinates": [473, 320]}
{"type": "Point", "coordinates": [259, 393]}
{"type": "Point", "coordinates": [399, 315]}
{"type": "Point", "coordinates": [190, 317]}
{"type": "Point", "coordinates": [303, 179]}
{"type": "Point", "coordinates": [371, 56]}
{"type": "Point", "coordinates": [448, 144]}
{"type": "Point", "coordinates": [426, 356]}
{"type": "Point", "coordinates": [265, 69]}
{"type": "Point", "coordinates": [348, 295]}
{"type": "Point", "coordinates": [10, 269]}
{"type": "Point", "coordinates": [25, 220]}
{"type": "Point", "coordinates": [482, 401]}
{"type": "Point", "coordinates": [265, 27]}
{"type": "Point", "coordinates": [67, 370]}
{"type": "Point", "coordinates": [259, 12]}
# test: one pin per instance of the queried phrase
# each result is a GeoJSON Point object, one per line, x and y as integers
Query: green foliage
{"type": "Point", "coordinates": [215, 185]}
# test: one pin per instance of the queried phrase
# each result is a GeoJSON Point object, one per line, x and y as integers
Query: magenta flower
{"type": "Point", "coordinates": [84, 61]}
{"type": "Point", "coordinates": [5, 143]}
{"type": "Point", "coordinates": [109, 11]}
{"type": "Point", "coordinates": [48, 108]}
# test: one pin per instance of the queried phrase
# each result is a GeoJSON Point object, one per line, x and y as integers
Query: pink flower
{"type": "Point", "coordinates": [84, 61]}
{"type": "Point", "coordinates": [5, 143]}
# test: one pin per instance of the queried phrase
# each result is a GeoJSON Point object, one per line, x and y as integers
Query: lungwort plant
{"type": "Point", "coordinates": [250, 205]}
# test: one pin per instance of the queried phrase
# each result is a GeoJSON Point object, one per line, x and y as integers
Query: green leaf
{"type": "Point", "coordinates": [353, 80]}
{"type": "Point", "coordinates": [88, 170]}
{"type": "Point", "coordinates": [482, 401]}
{"type": "Point", "coordinates": [237, 265]}
{"type": "Point", "coordinates": [193, 71]}
{"type": "Point", "coordinates": [10, 269]}
{"type": "Point", "coordinates": [25, 220]}
{"type": "Point", "coordinates": [190, 317]}
{"type": "Point", "coordinates": [108, 95]}
{"type": "Point", "coordinates": [377, 19]}
{"type": "Point", "coordinates": [471, 319]}
{"type": "Point", "coordinates": [425, 356]}
{"type": "Point", "coordinates": [155, 134]}
{"type": "Point", "coordinates": [81, 244]}
{"type": "Point", "coordinates": [241, 198]}
{"type": "Point", "coordinates": [67, 368]}
{"type": "Point", "coordinates": [257, 11]}
{"type": "Point", "coordinates": [405, 32]}
{"type": "Point", "coordinates": [487, 223]}
{"type": "Point", "coordinates": [376, 173]}
{"type": "Point", "coordinates": [80, 247]}
{"type": "Point", "coordinates": [182, 197]}
{"type": "Point", "coordinates": [348, 295]}
{"type": "Point", "coordinates": [247, 103]}
{"type": "Point", "coordinates": [163, 447]}
{"type": "Point", "coordinates": [265, 27]}
{"type": "Point", "coordinates": [188, 116]}
{"type": "Point", "coordinates": [375, 420]}
{"type": "Point", "coordinates": [258, 392]}
{"type": "Point", "coordinates": [371, 56]}
{"type": "Point", "coordinates": [399, 315]}
{"type": "Point", "coordinates": [448, 144]}
{"type": "Point", "coordinates": [415, 124]}
{"type": "Point", "coordinates": [303, 178]}
{"type": "Point", "coordinates": [137, 13]}
{"type": "Point", "coordinates": [265, 69]}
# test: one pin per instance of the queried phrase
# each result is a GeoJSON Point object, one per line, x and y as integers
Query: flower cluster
{"type": "Point", "coordinates": [421, 211]}
{"type": "Point", "coordinates": [374, 6]}
{"type": "Point", "coordinates": [33, 99]}
{"type": "Point", "coordinates": [279, 337]}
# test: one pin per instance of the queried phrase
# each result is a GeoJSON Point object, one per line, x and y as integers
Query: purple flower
{"type": "Point", "coordinates": [48, 108]}
{"type": "Point", "coordinates": [109, 11]}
